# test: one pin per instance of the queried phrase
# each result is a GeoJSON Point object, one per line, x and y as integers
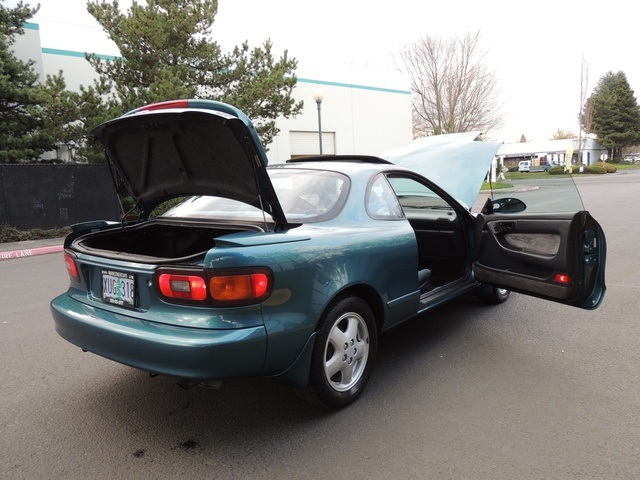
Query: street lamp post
{"type": "Point", "coordinates": [318, 95]}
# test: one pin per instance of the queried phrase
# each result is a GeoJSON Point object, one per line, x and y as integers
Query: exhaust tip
{"type": "Point", "coordinates": [186, 384]}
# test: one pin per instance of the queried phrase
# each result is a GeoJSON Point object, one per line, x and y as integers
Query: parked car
{"type": "Point", "coordinates": [524, 166]}
{"type": "Point", "coordinates": [294, 271]}
{"type": "Point", "coordinates": [527, 166]}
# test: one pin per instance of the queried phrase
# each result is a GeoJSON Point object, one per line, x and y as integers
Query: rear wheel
{"type": "Point", "coordinates": [344, 353]}
{"type": "Point", "coordinates": [496, 296]}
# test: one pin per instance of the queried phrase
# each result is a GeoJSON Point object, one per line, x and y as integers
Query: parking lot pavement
{"type": "Point", "coordinates": [30, 248]}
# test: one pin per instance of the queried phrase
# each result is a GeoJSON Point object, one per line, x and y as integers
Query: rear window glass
{"type": "Point", "coordinates": [306, 196]}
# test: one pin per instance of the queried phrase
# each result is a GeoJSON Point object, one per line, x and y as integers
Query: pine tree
{"type": "Point", "coordinates": [616, 115]}
{"type": "Point", "coordinates": [20, 119]}
{"type": "Point", "coordinates": [167, 54]}
{"type": "Point", "coordinates": [34, 117]}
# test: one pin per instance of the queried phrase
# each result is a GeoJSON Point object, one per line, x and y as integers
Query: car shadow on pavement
{"type": "Point", "coordinates": [251, 413]}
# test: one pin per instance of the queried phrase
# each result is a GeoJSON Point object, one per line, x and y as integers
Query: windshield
{"type": "Point", "coordinates": [306, 196]}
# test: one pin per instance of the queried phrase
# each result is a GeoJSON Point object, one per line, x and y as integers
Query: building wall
{"type": "Point", "coordinates": [555, 151]}
{"type": "Point", "coordinates": [75, 68]}
{"type": "Point", "coordinates": [27, 47]}
{"type": "Point", "coordinates": [362, 114]}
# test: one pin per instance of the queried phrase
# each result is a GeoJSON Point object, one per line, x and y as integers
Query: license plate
{"type": "Point", "coordinates": [119, 288]}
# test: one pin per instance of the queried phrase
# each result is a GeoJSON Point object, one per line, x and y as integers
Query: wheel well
{"type": "Point", "coordinates": [370, 296]}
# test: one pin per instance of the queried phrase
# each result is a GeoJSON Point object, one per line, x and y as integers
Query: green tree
{"type": "Point", "coordinates": [20, 121]}
{"type": "Point", "coordinates": [34, 117]}
{"type": "Point", "coordinates": [167, 53]}
{"type": "Point", "coordinates": [615, 113]}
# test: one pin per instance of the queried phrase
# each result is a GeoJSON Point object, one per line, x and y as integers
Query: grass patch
{"type": "Point", "coordinates": [495, 186]}
{"type": "Point", "coordinates": [525, 176]}
{"type": "Point", "coordinates": [627, 166]}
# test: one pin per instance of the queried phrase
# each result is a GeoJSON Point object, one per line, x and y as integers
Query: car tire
{"type": "Point", "coordinates": [343, 354]}
{"type": "Point", "coordinates": [496, 296]}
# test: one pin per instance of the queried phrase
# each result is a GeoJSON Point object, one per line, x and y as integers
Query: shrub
{"type": "Point", "coordinates": [167, 205]}
{"type": "Point", "coordinates": [596, 169]}
{"type": "Point", "coordinates": [12, 234]}
{"type": "Point", "coordinates": [559, 170]}
{"type": "Point", "coordinates": [128, 204]}
{"type": "Point", "coordinates": [607, 166]}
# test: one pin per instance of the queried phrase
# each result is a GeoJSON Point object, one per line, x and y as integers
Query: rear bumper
{"type": "Point", "coordinates": [183, 352]}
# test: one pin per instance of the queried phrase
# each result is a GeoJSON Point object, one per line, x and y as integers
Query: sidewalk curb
{"type": "Point", "coordinates": [29, 252]}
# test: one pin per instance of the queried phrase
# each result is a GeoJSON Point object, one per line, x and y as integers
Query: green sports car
{"type": "Point", "coordinates": [293, 271]}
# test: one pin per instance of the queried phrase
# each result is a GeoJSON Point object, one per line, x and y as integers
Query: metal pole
{"type": "Point", "coordinates": [319, 102]}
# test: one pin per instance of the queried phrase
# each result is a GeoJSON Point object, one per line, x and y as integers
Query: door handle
{"type": "Point", "coordinates": [504, 227]}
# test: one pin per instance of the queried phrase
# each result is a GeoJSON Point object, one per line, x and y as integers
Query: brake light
{"type": "Point", "coordinates": [239, 287]}
{"type": "Point", "coordinates": [165, 105]}
{"type": "Point", "coordinates": [562, 278]}
{"type": "Point", "coordinates": [183, 287]}
{"type": "Point", "coordinates": [72, 268]}
{"type": "Point", "coordinates": [229, 288]}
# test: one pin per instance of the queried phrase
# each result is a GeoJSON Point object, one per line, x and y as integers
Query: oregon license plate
{"type": "Point", "coordinates": [119, 288]}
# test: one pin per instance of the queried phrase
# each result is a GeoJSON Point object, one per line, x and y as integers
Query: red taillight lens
{"type": "Point", "coordinates": [165, 105]}
{"type": "Point", "coordinates": [224, 288]}
{"type": "Point", "coordinates": [183, 287]}
{"type": "Point", "coordinates": [239, 287]}
{"type": "Point", "coordinates": [72, 268]}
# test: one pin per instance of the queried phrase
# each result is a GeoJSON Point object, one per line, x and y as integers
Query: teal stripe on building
{"type": "Point", "coordinates": [347, 85]}
{"type": "Point", "coordinates": [69, 53]}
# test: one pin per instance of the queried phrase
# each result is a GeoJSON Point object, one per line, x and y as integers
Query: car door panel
{"type": "Point", "coordinates": [560, 257]}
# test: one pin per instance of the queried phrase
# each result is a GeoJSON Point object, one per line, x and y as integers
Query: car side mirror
{"type": "Point", "coordinates": [503, 205]}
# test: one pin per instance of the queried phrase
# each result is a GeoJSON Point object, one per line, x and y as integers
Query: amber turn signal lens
{"type": "Point", "coordinates": [226, 288]}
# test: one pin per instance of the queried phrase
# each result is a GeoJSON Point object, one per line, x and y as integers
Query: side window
{"type": "Point", "coordinates": [381, 202]}
{"type": "Point", "coordinates": [417, 197]}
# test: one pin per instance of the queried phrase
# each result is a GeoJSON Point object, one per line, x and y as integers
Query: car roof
{"type": "Point", "coordinates": [348, 164]}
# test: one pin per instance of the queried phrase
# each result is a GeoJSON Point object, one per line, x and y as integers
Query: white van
{"type": "Point", "coordinates": [524, 166]}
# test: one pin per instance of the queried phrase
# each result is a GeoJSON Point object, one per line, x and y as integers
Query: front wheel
{"type": "Point", "coordinates": [344, 353]}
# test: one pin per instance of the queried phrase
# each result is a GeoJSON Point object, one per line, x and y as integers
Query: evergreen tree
{"type": "Point", "coordinates": [34, 117]}
{"type": "Point", "coordinates": [167, 54]}
{"type": "Point", "coordinates": [20, 119]}
{"type": "Point", "coordinates": [616, 115]}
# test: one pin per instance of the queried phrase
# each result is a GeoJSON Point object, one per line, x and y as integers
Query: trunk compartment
{"type": "Point", "coordinates": [156, 241]}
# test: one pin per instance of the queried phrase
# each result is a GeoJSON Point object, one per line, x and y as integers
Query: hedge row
{"type": "Point", "coordinates": [597, 168]}
{"type": "Point", "coordinates": [12, 234]}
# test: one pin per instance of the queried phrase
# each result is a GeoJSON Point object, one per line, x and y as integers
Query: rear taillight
{"type": "Point", "coordinates": [220, 288]}
{"type": "Point", "coordinates": [183, 287]}
{"type": "Point", "coordinates": [239, 287]}
{"type": "Point", "coordinates": [164, 105]}
{"type": "Point", "coordinates": [72, 268]}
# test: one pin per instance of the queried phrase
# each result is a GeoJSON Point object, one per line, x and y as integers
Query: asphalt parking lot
{"type": "Point", "coordinates": [527, 389]}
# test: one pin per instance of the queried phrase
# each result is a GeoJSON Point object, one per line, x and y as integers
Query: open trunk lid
{"type": "Point", "coordinates": [190, 147]}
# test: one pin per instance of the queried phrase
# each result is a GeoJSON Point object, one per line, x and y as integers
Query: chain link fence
{"type": "Point", "coordinates": [54, 196]}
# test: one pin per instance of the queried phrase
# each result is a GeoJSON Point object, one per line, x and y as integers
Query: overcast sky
{"type": "Point", "coordinates": [535, 48]}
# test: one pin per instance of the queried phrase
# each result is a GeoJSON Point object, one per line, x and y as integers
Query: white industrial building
{"type": "Point", "coordinates": [359, 114]}
{"type": "Point", "coordinates": [552, 152]}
